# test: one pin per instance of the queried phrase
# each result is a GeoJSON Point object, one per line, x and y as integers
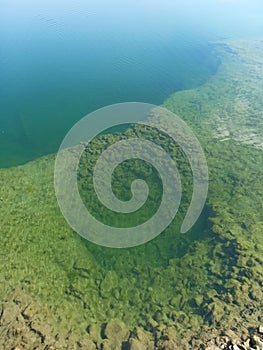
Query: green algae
{"type": "Point", "coordinates": [126, 173]}
{"type": "Point", "coordinates": [46, 259]}
{"type": "Point", "coordinates": [209, 276]}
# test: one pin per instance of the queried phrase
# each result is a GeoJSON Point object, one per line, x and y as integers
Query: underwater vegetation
{"type": "Point", "coordinates": [183, 284]}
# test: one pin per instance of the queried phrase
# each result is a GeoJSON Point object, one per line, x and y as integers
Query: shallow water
{"type": "Point", "coordinates": [59, 63]}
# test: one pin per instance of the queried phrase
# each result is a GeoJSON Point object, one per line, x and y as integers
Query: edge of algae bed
{"type": "Point", "coordinates": [59, 290]}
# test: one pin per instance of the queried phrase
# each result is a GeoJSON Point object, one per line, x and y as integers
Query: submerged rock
{"type": "Point", "coordinates": [109, 283]}
{"type": "Point", "coordinates": [111, 344]}
{"type": "Point", "coordinates": [116, 330]}
{"type": "Point", "coordinates": [135, 344]}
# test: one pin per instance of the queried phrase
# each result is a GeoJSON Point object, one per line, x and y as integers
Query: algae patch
{"type": "Point", "coordinates": [209, 277]}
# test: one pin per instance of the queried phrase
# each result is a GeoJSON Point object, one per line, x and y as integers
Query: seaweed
{"type": "Point", "coordinates": [211, 275]}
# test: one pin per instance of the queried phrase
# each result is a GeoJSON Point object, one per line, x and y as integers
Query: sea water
{"type": "Point", "coordinates": [58, 63]}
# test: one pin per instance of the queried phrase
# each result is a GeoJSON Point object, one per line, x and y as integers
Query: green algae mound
{"type": "Point", "coordinates": [209, 277]}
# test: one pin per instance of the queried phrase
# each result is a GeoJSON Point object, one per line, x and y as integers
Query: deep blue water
{"type": "Point", "coordinates": [62, 60]}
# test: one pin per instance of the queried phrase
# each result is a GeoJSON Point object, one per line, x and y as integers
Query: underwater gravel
{"type": "Point", "coordinates": [25, 325]}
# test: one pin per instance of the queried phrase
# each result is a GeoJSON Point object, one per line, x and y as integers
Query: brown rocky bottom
{"type": "Point", "coordinates": [24, 327]}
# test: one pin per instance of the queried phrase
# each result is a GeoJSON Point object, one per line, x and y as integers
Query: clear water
{"type": "Point", "coordinates": [59, 63]}
{"type": "Point", "coordinates": [61, 60]}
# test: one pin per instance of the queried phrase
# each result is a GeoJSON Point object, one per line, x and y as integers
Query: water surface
{"type": "Point", "coordinates": [60, 62]}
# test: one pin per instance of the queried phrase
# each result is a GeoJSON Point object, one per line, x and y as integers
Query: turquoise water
{"type": "Point", "coordinates": [56, 68]}
{"type": "Point", "coordinates": [61, 60]}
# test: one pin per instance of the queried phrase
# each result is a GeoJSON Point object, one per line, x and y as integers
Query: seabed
{"type": "Point", "coordinates": [59, 291]}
